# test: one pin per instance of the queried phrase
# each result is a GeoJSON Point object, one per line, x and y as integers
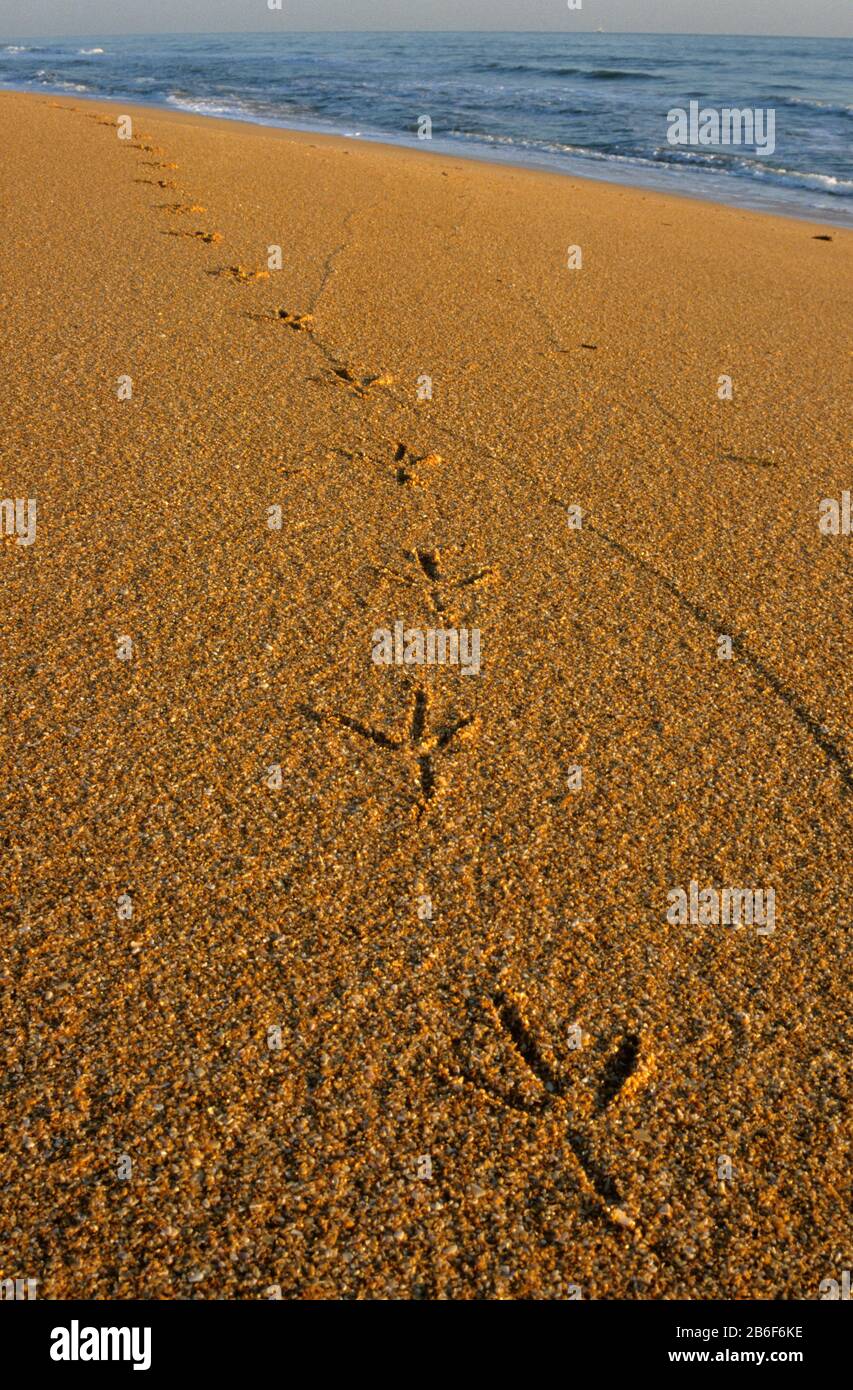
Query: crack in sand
{"type": "Point", "coordinates": [816, 731]}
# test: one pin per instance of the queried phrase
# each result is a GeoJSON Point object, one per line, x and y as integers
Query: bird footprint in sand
{"type": "Point", "coordinates": [404, 462]}
{"type": "Point", "coordinates": [409, 464]}
{"type": "Point", "coordinates": [429, 570]}
{"type": "Point", "coordinates": [241, 273]}
{"type": "Point", "coordinates": [417, 743]}
{"type": "Point", "coordinates": [301, 323]}
{"type": "Point", "coordinates": [199, 236]}
{"type": "Point", "coordinates": [500, 1056]}
{"type": "Point", "coordinates": [363, 385]}
{"type": "Point", "coordinates": [182, 207]}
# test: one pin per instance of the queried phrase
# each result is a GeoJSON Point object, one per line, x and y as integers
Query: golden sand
{"type": "Point", "coordinates": [376, 999]}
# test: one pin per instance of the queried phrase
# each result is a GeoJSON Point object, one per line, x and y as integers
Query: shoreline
{"type": "Point", "coordinates": [449, 149]}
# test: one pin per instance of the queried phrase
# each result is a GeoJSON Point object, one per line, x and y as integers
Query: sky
{"type": "Point", "coordinates": [55, 18]}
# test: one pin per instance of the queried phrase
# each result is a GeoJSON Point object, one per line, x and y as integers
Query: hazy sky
{"type": "Point", "coordinates": [53, 18]}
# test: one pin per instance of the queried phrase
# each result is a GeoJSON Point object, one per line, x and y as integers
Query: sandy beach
{"type": "Point", "coordinates": [331, 977]}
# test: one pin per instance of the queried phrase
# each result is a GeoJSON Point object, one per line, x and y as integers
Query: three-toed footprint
{"type": "Point", "coordinates": [209, 237]}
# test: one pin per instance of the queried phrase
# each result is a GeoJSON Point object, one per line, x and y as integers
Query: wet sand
{"type": "Point", "coordinates": [328, 977]}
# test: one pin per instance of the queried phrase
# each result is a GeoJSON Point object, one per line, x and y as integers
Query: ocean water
{"type": "Point", "coordinates": [591, 104]}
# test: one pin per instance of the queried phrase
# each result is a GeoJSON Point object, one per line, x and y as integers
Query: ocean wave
{"type": "Point", "coordinates": [229, 108]}
{"type": "Point", "coordinates": [558, 147]}
{"type": "Point", "coordinates": [204, 106]}
{"type": "Point", "coordinates": [796, 178]}
{"type": "Point", "coordinates": [833, 108]}
{"type": "Point", "coordinates": [56, 84]}
{"type": "Point", "coordinates": [742, 165]}
{"type": "Point", "coordinates": [487, 137]}
{"type": "Point", "coordinates": [588, 74]}
{"type": "Point", "coordinates": [491, 139]}
{"type": "Point", "coordinates": [528, 69]}
{"type": "Point", "coordinates": [702, 161]}
{"type": "Point", "coordinates": [618, 75]}
{"type": "Point", "coordinates": [90, 50]}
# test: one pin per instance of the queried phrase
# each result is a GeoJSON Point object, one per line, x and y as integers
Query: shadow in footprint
{"type": "Point", "coordinates": [618, 1069]}
{"type": "Point", "coordinates": [239, 273]}
{"type": "Point", "coordinates": [209, 237]}
{"type": "Point", "coordinates": [751, 459]}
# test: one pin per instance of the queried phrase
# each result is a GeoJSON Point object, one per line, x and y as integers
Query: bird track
{"type": "Point", "coordinates": [622, 1072]}
{"type": "Point", "coordinates": [416, 743]}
